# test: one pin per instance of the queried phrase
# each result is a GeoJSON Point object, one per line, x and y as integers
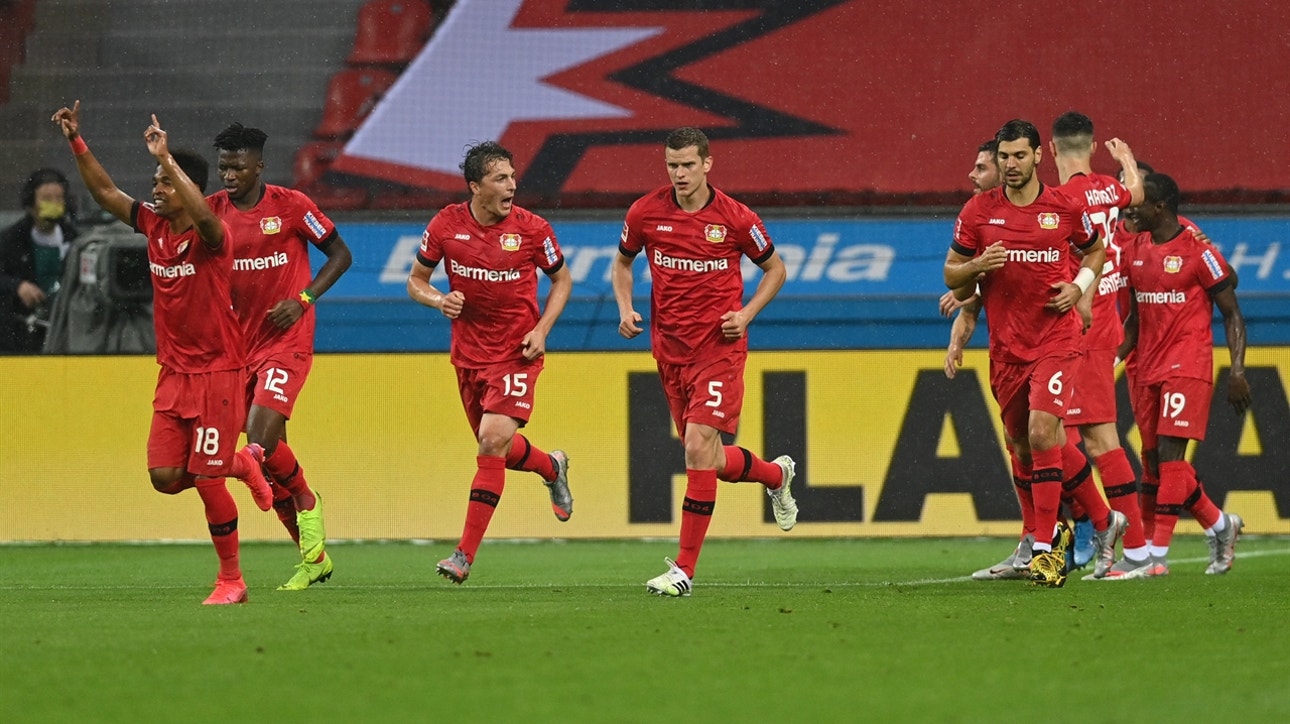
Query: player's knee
{"type": "Point", "coordinates": [169, 481]}
{"type": "Point", "coordinates": [494, 444]}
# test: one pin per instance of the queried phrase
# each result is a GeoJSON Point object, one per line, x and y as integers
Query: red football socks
{"type": "Point", "coordinates": [742, 466]}
{"type": "Point", "coordinates": [221, 519]}
{"type": "Point", "coordinates": [287, 473]}
{"type": "Point", "coordinates": [528, 458]}
{"type": "Point", "coordinates": [1121, 487]}
{"type": "Point", "coordinates": [485, 493]}
{"type": "Point", "coordinates": [696, 514]}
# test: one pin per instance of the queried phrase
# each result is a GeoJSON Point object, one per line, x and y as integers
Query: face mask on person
{"type": "Point", "coordinates": [50, 210]}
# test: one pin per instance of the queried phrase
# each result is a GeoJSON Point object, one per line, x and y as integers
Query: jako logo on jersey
{"type": "Point", "coordinates": [1173, 264]}
{"type": "Point", "coordinates": [270, 225]}
{"type": "Point", "coordinates": [483, 275]}
{"type": "Point", "coordinates": [314, 225]}
{"type": "Point", "coordinates": [170, 272]}
{"type": "Point", "coordinates": [1035, 256]}
{"type": "Point", "coordinates": [662, 227]}
{"type": "Point", "coordinates": [548, 250]}
{"type": "Point", "coordinates": [759, 238]}
{"type": "Point", "coordinates": [462, 237]}
{"type": "Point", "coordinates": [998, 222]}
{"type": "Point", "coordinates": [1211, 263]}
{"type": "Point", "coordinates": [276, 259]}
{"type": "Point", "coordinates": [1048, 220]}
{"type": "Point", "coordinates": [510, 242]}
{"type": "Point", "coordinates": [715, 233]}
{"type": "Point", "coordinates": [1171, 297]}
{"type": "Point", "coordinates": [693, 265]}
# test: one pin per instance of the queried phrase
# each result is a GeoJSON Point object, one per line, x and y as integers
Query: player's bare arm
{"type": "Point", "coordinates": [960, 334]}
{"type": "Point", "coordinates": [534, 344]}
{"type": "Point", "coordinates": [422, 292]}
{"type": "Point", "coordinates": [105, 192]}
{"type": "Point", "coordinates": [1130, 331]}
{"type": "Point", "coordinates": [734, 324]}
{"type": "Point", "coordinates": [1238, 388]}
{"type": "Point", "coordinates": [620, 275]}
{"type": "Point", "coordinates": [950, 301]}
{"type": "Point", "coordinates": [289, 311]}
{"type": "Point", "coordinates": [962, 272]}
{"type": "Point", "coordinates": [1132, 177]}
{"type": "Point", "coordinates": [209, 227]}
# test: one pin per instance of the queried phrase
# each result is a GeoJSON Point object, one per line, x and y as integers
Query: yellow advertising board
{"type": "Point", "coordinates": [885, 444]}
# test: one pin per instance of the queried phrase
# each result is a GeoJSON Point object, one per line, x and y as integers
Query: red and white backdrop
{"type": "Point", "coordinates": [834, 101]}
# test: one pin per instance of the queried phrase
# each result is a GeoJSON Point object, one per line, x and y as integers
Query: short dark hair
{"type": "Point", "coordinates": [1072, 131]}
{"type": "Point", "coordinates": [238, 137]}
{"type": "Point", "coordinates": [990, 147]}
{"type": "Point", "coordinates": [685, 137]}
{"type": "Point", "coordinates": [479, 157]}
{"type": "Point", "coordinates": [1016, 129]}
{"type": "Point", "coordinates": [1145, 167]}
{"type": "Point", "coordinates": [196, 168]}
{"type": "Point", "coordinates": [1159, 187]}
{"type": "Point", "coordinates": [38, 178]}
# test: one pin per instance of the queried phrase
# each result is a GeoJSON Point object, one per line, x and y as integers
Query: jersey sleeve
{"type": "Point", "coordinates": [431, 251]}
{"type": "Point", "coordinates": [549, 258]}
{"type": "Point", "coordinates": [754, 239]}
{"type": "Point", "coordinates": [319, 229]}
{"type": "Point", "coordinates": [631, 242]}
{"type": "Point", "coordinates": [966, 240]}
{"type": "Point", "coordinates": [1213, 274]}
{"type": "Point", "coordinates": [1085, 236]}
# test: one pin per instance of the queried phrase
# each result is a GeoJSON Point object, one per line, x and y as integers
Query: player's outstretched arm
{"type": "Point", "coordinates": [209, 228]}
{"type": "Point", "coordinates": [1121, 152]}
{"type": "Point", "coordinates": [620, 276]}
{"type": "Point", "coordinates": [105, 192]}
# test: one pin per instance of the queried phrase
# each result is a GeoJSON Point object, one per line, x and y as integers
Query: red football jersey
{"type": "Point", "coordinates": [192, 305]}
{"type": "Point", "coordinates": [495, 268]}
{"type": "Point", "coordinates": [1038, 238]}
{"type": "Point", "coordinates": [694, 263]}
{"type": "Point", "coordinates": [1172, 283]}
{"type": "Point", "coordinates": [1103, 199]}
{"type": "Point", "coordinates": [271, 263]}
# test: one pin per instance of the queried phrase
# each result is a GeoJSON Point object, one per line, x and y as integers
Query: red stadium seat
{"type": "Point", "coordinates": [351, 95]}
{"type": "Point", "coordinates": [391, 32]}
{"type": "Point", "coordinates": [310, 170]}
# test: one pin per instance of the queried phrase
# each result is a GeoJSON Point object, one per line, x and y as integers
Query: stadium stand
{"type": "Point", "coordinates": [309, 169]}
{"type": "Point", "coordinates": [391, 32]}
{"type": "Point", "coordinates": [198, 66]}
{"type": "Point", "coordinates": [351, 94]}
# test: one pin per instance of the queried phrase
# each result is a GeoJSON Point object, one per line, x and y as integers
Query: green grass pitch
{"type": "Point", "coordinates": [776, 631]}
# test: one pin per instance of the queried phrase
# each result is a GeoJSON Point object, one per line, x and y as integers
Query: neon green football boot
{"type": "Point", "coordinates": [313, 543]}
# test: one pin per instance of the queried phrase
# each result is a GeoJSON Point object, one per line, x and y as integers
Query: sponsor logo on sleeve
{"type": "Point", "coordinates": [548, 250]}
{"type": "Point", "coordinates": [425, 241]}
{"type": "Point", "coordinates": [1173, 264]}
{"type": "Point", "coordinates": [622, 238]}
{"type": "Point", "coordinates": [1211, 263]}
{"type": "Point", "coordinates": [759, 238]}
{"type": "Point", "coordinates": [314, 225]}
{"type": "Point", "coordinates": [510, 242]}
{"type": "Point", "coordinates": [714, 233]}
{"type": "Point", "coordinates": [270, 225]}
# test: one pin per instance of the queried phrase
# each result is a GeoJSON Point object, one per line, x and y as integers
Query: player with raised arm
{"type": "Point", "coordinates": [200, 401]}
{"type": "Point", "coordinates": [1177, 279]}
{"type": "Point", "coordinates": [274, 291]}
{"type": "Point", "coordinates": [492, 251]}
{"type": "Point", "coordinates": [694, 237]}
{"type": "Point", "coordinates": [1019, 237]}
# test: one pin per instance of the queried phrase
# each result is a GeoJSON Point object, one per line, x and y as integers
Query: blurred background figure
{"type": "Point", "coordinates": [32, 251]}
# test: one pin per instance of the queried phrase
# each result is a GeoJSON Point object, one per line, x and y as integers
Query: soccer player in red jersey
{"type": "Point", "coordinates": [274, 291]}
{"type": "Point", "coordinates": [1177, 279]}
{"type": "Point", "coordinates": [200, 402]}
{"type": "Point", "coordinates": [694, 237]}
{"type": "Point", "coordinates": [1019, 237]}
{"type": "Point", "coordinates": [1091, 414]}
{"type": "Point", "coordinates": [491, 250]}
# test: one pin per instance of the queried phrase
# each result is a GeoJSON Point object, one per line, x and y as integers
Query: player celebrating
{"type": "Point", "coordinates": [492, 250]}
{"type": "Point", "coordinates": [695, 236]}
{"type": "Point", "coordinates": [274, 293]}
{"type": "Point", "coordinates": [1019, 238]}
{"type": "Point", "coordinates": [200, 402]}
{"type": "Point", "coordinates": [1177, 279]}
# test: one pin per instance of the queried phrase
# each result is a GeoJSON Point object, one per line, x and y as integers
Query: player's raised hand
{"type": "Point", "coordinates": [68, 120]}
{"type": "Point", "coordinates": [158, 145]}
{"type": "Point", "coordinates": [1119, 150]}
{"type": "Point", "coordinates": [629, 326]}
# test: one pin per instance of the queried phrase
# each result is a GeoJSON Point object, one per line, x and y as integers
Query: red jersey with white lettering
{"type": "Point", "coordinates": [1103, 199]}
{"type": "Point", "coordinates": [271, 263]}
{"type": "Point", "coordinates": [192, 305]}
{"type": "Point", "coordinates": [1038, 238]}
{"type": "Point", "coordinates": [495, 267]}
{"type": "Point", "coordinates": [1172, 284]}
{"type": "Point", "coordinates": [694, 262]}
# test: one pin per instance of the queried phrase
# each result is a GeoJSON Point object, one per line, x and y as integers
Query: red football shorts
{"type": "Point", "coordinates": [1093, 397]}
{"type": "Point", "coordinates": [709, 392]}
{"type": "Point", "coordinates": [276, 381]}
{"type": "Point", "coordinates": [196, 420]}
{"type": "Point", "coordinates": [1042, 385]}
{"type": "Point", "coordinates": [505, 388]}
{"type": "Point", "coordinates": [1174, 408]}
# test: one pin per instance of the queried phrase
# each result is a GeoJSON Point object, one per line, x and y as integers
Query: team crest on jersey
{"type": "Point", "coordinates": [270, 225]}
{"type": "Point", "coordinates": [510, 242]}
{"type": "Point", "coordinates": [1048, 220]}
{"type": "Point", "coordinates": [714, 233]}
{"type": "Point", "coordinates": [1173, 264]}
